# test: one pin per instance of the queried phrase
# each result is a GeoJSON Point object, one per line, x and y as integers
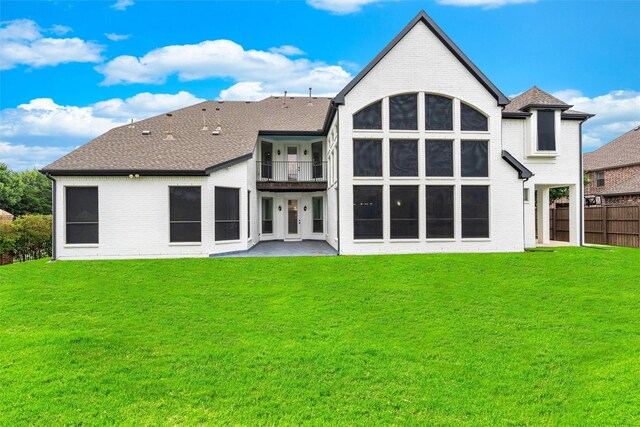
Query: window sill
{"type": "Point", "coordinates": [433, 177]}
{"type": "Point", "coordinates": [475, 178]}
{"type": "Point", "coordinates": [185, 243]}
{"type": "Point", "coordinates": [470, 132]}
{"type": "Point", "coordinates": [227, 242]}
{"type": "Point", "coordinates": [407, 240]}
{"type": "Point", "coordinates": [544, 154]}
{"type": "Point", "coordinates": [368, 241]}
{"type": "Point", "coordinates": [440, 239]}
{"type": "Point", "coordinates": [476, 239]}
{"type": "Point", "coordinates": [81, 245]}
{"type": "Point", "coordinates": [366, 130]}
{"type": "Point", "coordinates": [433, 131]}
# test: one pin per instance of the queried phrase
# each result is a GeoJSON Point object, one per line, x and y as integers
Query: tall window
{"type": "Point", "coordinates": [367, 157]}
{"type": "Point", "coordinates": [472, 119]}
{"type": "Point", "coordinates": [81, 214]}
{"type": "Point", "coordinates": [316, 159]}
{"type": "Point", "coordinates": [403, 112]}
{"type": "Point", "coordinates": [439, 158]}
{"type": "Point", "coordinates": [438, 113]}
{"type": "Point", "coordinates": [404, 157]}
{"type": "Point", "coordinates": [546, 130]}
{"type": "Point", "coordinates": [267, 215]}
{"type": "Point", "coordinates": [475, 211]}
{"type": "Point", "coordinates": [600, 179]}
{"type": "Point", "coordinates": [439, 211]}
{"type": "Point", "coordinates": [404, 211]}
{"type": "Point", "coordinates": [474, 157]}
{"type": "Point", "coordinates": [266, 149]}
{"type": "Point", "coordinates": [249, 214]}
{"type": "Point", "coordinates": [227, 213]}
{"type": "Point", "coordinates": [367, 212]}
{"type": "Point", "coordinates": [185, 214]}
{"type": "Point", "coordinates": [316, 205]}
{"type": "Point", "coordinates": [369, 117]}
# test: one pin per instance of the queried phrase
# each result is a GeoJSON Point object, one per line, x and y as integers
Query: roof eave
{"type": "Point", "coordinates": [562, 107]}
{"type": "Point", "coordinates": [123, 172]}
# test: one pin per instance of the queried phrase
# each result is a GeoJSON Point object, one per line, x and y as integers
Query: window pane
{"type": "Point", "coordinates": [184, 204]}
{"type": "Point", "coordinates": [367, 212]}
{"type": "Point", "coordinates": [266, 168]}
{"type": "Point", "coordinates": [403, 112]}
{"type": "Point", "coordinates": [404, 211]}
{"type": "Point", "coordinates": [439, 157]}
{"type": "Point", "coordinates": [546, 131]}
{"type": "Point", "coordinates": [369, 117]}
{"type": "Point", "coordinates": [82, 233]}
{"type": "Point", "coordinates": [185, 232]}
{"type": "Point", "coordinates": [438, 113]}
{"type": "Point", "coordinates": [474, 158]}
{"type": "Point", "coordinates": [439, 211]}
{"type": "Point", "coordinates": [318, 226]}
{"type": "Point", "coordinates": [475, 211]}
{"type": "Point", "coordinates": [404, 157]}
{"type": "Point", "coordinates": [227, 230]}
{"type": "Point", "coordinates": [82, 204]}
{"type": "Point", "coordinates": [472, 119]}
{"type": "Point", "coordinates": [367, 157]}
{"type": "Point", "coordinates": [227, 203]}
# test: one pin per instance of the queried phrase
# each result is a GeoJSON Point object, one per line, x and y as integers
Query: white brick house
{"type": "Point", "coordinates": [419, 153]}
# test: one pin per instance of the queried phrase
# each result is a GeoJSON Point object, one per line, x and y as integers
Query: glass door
{"type": "Point", "coordinates": [292, 163]}
{"type": "Point", "coordinates": [292, 219]}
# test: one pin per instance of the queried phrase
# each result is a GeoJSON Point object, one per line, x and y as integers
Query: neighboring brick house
{"type": "Point", "coordinates": [614, 170]}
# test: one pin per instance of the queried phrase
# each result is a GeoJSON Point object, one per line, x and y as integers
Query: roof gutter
{"type": "Point", "coordinates": [123, 172]}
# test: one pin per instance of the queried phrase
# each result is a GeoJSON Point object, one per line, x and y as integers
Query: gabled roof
{"type": "Point", "coordinates": [534, 98]}
{"type": "Point", "coordinates": [523, 172]}
{"type": "Point", "coordinates": [622, 151]}
{"type": "Point", "coordinates": [194, 151]}
{"type": "Point", "coordinates": [446, 41]}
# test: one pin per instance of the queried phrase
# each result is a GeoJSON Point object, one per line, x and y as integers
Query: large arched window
{"type": "Point", "coordinates": [472, 119]}
{"type": "Point", "coordinates": [438, 112]}
{"type": "Point", "coordinates": [370, 117]}
{"type": "Point", "coordinates": [403, 112]}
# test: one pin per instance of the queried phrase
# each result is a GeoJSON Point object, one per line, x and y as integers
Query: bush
{"type": "Point", "coordinates": [27, 237]}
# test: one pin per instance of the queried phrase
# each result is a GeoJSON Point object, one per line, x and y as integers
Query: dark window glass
{"type": "Point", "coordinates": [267, 215]}
{"type": "Point", "coordinates": [185, 214]}
{"type": "Point", "coordinates": [546, 131]}
{"type": "Point", "coordinates": [403, 112]}
{"type": "Point", "coordinates": [316, 159]}
{"type": "Point", "coordinates": [439, 158]}
{"type": "Point", "coordinates": [369, 117]}
{"type": "Point", "coordinates": [367, 157]}
{"type": "Point", "coordinates": [404, 211]}
{"type": "Point", "coordinates": [81, 214]}
{"type": "Point", "coordinates": [248, 214]}
{"type": "Point", "coordinates": [439, 211]}
{"type": "Point", "coordinates": [438, 113]}
{"type": "Point", "coordinates": [227, 213]}
{"type": "Point", "coordinates": [266, 167]}
{"type": "Point", "coordinates": [475, 162]}
{"type": "Point", "coordinates": [600, 179]}
{"type": "Point", "coordinates": [318, 226]}
{"type": "Point", "coordinates": [367, 212]}
{"type": "Point", "coordinates": [475, 211]}
{"type": "Point", "coordinates": [472, 119]}
{"type": "Point", "coordinates": [404, 157]}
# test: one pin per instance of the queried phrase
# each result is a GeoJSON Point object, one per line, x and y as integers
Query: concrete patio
{"type": "Point", "coordinates": [282, 249]}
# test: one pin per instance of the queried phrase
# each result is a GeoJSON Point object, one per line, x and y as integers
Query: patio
{"type": "Point", "coordinates": [282, 249]}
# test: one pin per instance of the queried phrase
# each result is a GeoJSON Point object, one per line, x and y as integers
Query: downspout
{"type": "Point", "coordinates": [53, 215]}
{"type": "Point", "coordinates": [338, 172]}
{"type": "Point", "coordinates": [581, 191]}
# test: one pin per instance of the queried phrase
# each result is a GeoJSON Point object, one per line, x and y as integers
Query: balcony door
{"type": "Point", "coordinates": [293, 220]}
{"type": "Point", "coordinates": [293, 167]}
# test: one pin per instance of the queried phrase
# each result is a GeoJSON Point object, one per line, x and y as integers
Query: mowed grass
{"type": "Point", "coordinates": [478, 339]}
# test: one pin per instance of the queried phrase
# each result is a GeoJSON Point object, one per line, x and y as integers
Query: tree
{"type": "Point", "coordinates": [25, 192]}
{"type": "Point", "coordinates": [11, 188]}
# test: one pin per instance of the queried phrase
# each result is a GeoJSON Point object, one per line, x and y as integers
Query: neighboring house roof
{"type": "Point", "coordinates": [5, 216]}
{"type": "Point", "coordinates": [194, 151]}
{"type": "Point", "coordinates": [446, 41]}
{"type": "Point", "coordinates": [622, 151]}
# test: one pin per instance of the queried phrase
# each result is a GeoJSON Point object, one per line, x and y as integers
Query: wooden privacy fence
{"type": "Point", "coordinates": [612, 225]}
{"type": "Point", "coordinates": [559, 224]}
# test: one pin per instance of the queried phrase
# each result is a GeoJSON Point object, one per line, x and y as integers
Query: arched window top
{"type": "Point", "coordinates": [472, 119]}
{"type": "Point", "coordinates": [403, 112]}
{"type": "Point", "coordinates": [370, 117]}
{"type": "Point", "coordinates": [438, 112]}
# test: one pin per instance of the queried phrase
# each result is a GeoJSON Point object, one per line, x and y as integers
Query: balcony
{"type": "Point", "coordinates": [291, 176]}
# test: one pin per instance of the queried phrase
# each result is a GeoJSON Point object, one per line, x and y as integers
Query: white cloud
{"type": "Point", "coordinates": [22, 157]}
{"type": "Point", "coordinates": [616, 113]}
{"type": "Point", "coordinates": [340, 7]}
{"type": "Point", "coordinates": [60, 30]}
{"type": "Point", "coordinates": [122, 4]}
{"type": "Point", "coordinates": [288, 50]}
{"type": "Point", "coordinates": [144, 105]}
{"type": "Point", "coordinates": [487, 4]}
{"type": "Point", "coordinates": [117, 37]}
{"type": "Point", "coordinates": [22, 43]}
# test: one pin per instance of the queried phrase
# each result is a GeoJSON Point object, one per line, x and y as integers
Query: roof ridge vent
{"type": "Point", "coordinates": [146, 132]}
{"type": "Point", "coordinates": [169, 133]}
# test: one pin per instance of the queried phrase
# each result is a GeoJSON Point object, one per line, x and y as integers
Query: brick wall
{"type": "Point", "coordinates": [612, 177]}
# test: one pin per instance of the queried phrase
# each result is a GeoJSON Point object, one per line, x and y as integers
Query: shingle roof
{"type": "Point", "coordinates": [5, 215]}
{"type": "Point", "coordinates": [622, 151]}
{"type": "Point", "coordinates": [194, 150]}
{"type": "Point", "coordinates": [534, 97]}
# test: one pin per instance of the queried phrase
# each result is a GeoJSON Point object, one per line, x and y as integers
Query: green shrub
{"type": "Point", "coordinates": [27, 237]}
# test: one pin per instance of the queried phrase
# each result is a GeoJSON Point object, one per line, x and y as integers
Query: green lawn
{"type": "Point", "coordinates": [543, 338]}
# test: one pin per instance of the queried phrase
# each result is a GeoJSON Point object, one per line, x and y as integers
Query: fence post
{"type": "Point", "coordinates": [604, 225]}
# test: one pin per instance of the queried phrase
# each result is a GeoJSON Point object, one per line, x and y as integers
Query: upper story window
{"type": "Point", "coordinates": [438, 112]}
{"type": "Point", "coordinates": [474, 158]}
{"type": "Point", "coordinates": [81, 215]}
{"type": "Point", "coordinates": [185, 214]}
{"type": "Point", "coordinates": [546, 130]}
{"type": "Point", "coordinates": [472, 119]}
{"type": "Point", "coordinates": [403, 157]}
{"type": "Point", "coordinates": [369, 117]}
{"type": "Point", "coordinates": [600, 179]}
{"type": "Point", "coordinates": [367, 157]}
{"type": "Point", "coordinates": [403, 112]}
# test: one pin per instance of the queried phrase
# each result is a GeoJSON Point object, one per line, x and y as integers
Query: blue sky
{"type": "Point", "coordinates": [72, 70]}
